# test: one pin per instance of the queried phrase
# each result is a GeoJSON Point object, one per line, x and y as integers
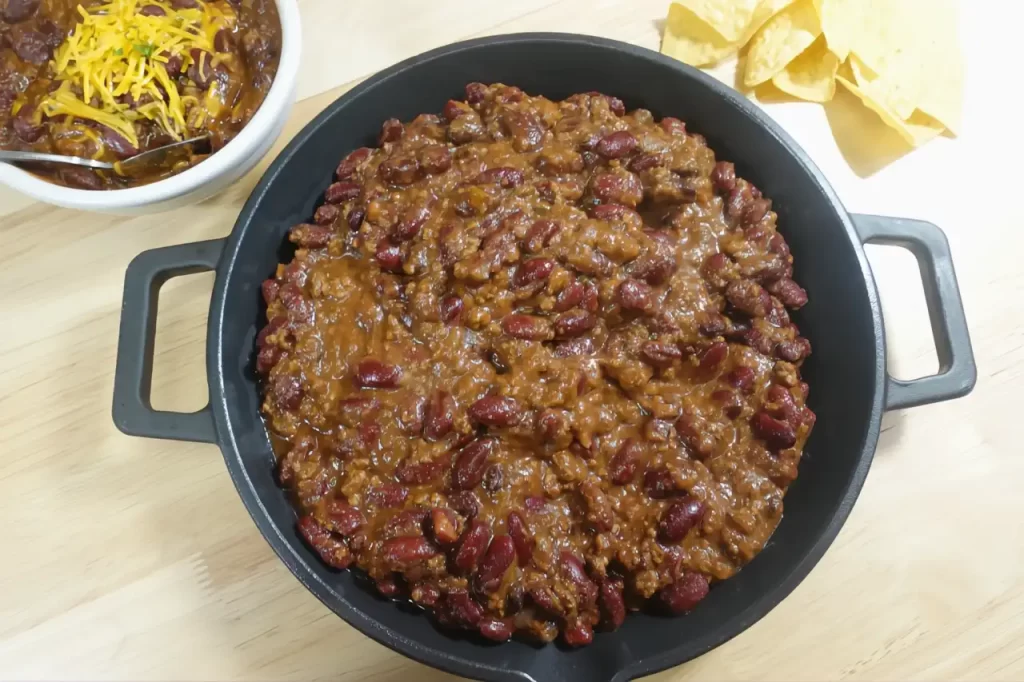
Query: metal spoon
{"type": "Point", "coordinates": [148, 156]}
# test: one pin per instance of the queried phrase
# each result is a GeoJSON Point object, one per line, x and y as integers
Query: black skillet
{"type": "Point", "coordinates": [850, 388]}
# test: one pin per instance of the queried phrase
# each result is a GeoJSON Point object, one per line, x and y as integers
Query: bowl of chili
{"type": "Point", "coordinates": [107, 79]}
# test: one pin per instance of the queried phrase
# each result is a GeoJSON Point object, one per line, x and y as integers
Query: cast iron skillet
{"type": "Point", "coordinates": [849, 385]}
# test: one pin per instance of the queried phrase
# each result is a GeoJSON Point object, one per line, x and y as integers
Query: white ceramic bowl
{"type": "Point", "coordinates": [205, 179]}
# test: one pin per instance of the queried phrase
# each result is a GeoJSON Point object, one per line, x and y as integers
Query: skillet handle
{"type": "Point", "coordinates": [133, 377]}
{"type": "Point", "coordinates": [957, 370]}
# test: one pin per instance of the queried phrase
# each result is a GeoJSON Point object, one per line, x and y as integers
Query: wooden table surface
{"type": "Point", "coordinates": [126, 558]}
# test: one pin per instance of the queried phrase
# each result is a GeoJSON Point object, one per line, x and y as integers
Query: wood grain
{"type": "Point", "coordinates": [134, 559]}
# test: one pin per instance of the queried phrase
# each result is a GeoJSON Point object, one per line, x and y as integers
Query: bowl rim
{"type": "Point", "coordinates": [227, 438]}
{"type": "Point", "coordinates": [276, 104]}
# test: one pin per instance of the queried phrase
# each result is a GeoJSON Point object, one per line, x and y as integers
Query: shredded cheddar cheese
{"type": "Point", "coordinates": [116, 56]}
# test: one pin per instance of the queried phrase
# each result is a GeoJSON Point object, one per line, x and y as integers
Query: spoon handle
{"type": "Point", "coordinates": [8, 155]}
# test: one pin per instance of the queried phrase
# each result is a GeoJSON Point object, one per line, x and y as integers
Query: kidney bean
{"type": "Point", "coordinates": [476, 93]}
{"type": "Point", "coordinates": [777, 245]}
{"type": "Point", "coordinates": [269, 289]}
{"type": "Point", "coordinates": [82, 178]}
{"type": "Point", "coordinates": [504, 177]}
{"type": "Point", "coordinates": [453, 109]}
{"type": "Point", "coordinates": [426, 594]}
{"type": "Point", "coordinates": [464, 502]}
{"type": "Point", "coordinates": [655, 267]}
{"type": "Point", "coordinates": [613, 606]}
{"type": "Point", "coordinates": [680, 517]}
{"type": "Point", "coordinates": [723, 177]}
{"type": "Point", "coordinates": [714, 356]}
{"type": "Point", "coordinates": [533, 271]}
{"type": "Point", "coordinates": [355, 221]}
{"type": "Point", "coordinates": [569, 297]}
{"type": "Point", "coordinates": [684, 594]}
{"type": "Point", "coordinates": [493, 478]}
{"type": "Point", "coordinates": [444, 526]}
{"type": "Point", "coordinates": [550, 425]}
{"type": "Point", "coordinates": [777, 315]}
{"type": "Point", "coordinates": [659, 484]}
{"type": "Point", "coordinates": [610, 212]}
{"type": "Point", "coordinates": [756, 210]}
{"type": "Point", "coordinates": [738, 200]}
{"type": "Point", "coordinates": [439, 416]}
{"type": "Point", "coordinates": [643, 162]}
{"type": "Point", "coordinates": [451, 309]}
{"type": "Point", "coordinates": [574, 347]}
{"type": "Point", "coordinates": [673, 126]}
{"type": "Point", "coordinates": [635, 296]}
{"type": "Point", "coordinates": [498, 362]}
{"type": "Point", "coordinates": [390, 131]}
{"type": "Point", "coordinates": [334, 552]}
{"type": "Point", "coordinates": [546, 600]}
{"type": "Point", "coordinates": [387, 495]}
{"type": "Point", "coordinates": [617, 145]}
{"type": "Point", "coordinates": [25, 126]}
{"type": "Point", "coordinates": [522, 326]}
{"type": "Point", "coordinates": [388, 256]}
{"type": "Point", "coordinates": [573, 570]}
{"type": "Point", "coordinates": [411, 223]}
{"type": "Point", "coordinates": [419, 473]}
{"type": "Point", "coordinates": [371, 373]}
{"type": "Point", "coordinates": [660, 354]}
{"type": "Point", "coordinates": [789, 292]}
{"type": "Point", "coordinates": [470, 464]}
{"type": "Point", "coordinates": [344, 519]}
{"type": "Point", "coordinates": [403, 551]}
{"type": "Point", "coordinates": [578, 634]}
{"type": "Point", "coordinates": [435, 159]}
{"type": "Point", "coordinates": [351, 163]}
{"type": "Point", "coordinates": [496, 411]}
{"type": "Point", "coordinates": [521, 538]}
{"type": "Point", "coordinates": [32, 47]}
{"type": "Point", "coordinates": [497, 560]}
{"type": "Point", "coordinates": [749, 297]}
{"type": "Point", "coordinates": [540, 235]}
{"type": "Point", "coordinates": [475, 540]}
{"type": "Point", "coordinates": [617, 188]}
{"type": "Point", "coordinates": [624, 464]}
{"type": "Point", "coordinates": [388, 587]}
{"type": "Point", "coordinates": [18, 11]}
{"type": "Point", "coordinates": [342, 191]}
{"type": "Point", "coordinates": [311, 236]}
{"type": "Point", "coordinates": [574, 323]}
{"type": "Point", "coordinates": [287, 391]}
{"type": "Point", "coordinates": [793, 351]}
{"type": "Point", "coordinates": [326, 214]}
{"type": "Point", "coordinates": [407, 523]}
{"type": "Point", "coordinates": [266, 358]}
{"type": "Point", "coordinates": [496, 630]}
{"type": "Point", "coordinates": [202, 70]}
{"type": "Point", "coordinates": [535, 503]}
{"type": "Point", "coordinates": [462, 609]}
{"type": "Point", "coordinates": [401, 169]}
{"type": "Point", "coordinates": [524, 128]}
{"type": "Point", "coordinates": [777, 434]}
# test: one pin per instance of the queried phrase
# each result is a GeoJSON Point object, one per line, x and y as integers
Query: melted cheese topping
{"type": "Point", "coordinates": [116, 57]}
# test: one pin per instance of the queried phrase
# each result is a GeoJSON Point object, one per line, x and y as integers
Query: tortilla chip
{"type": "Point", "coordinates": [690, 39]}
{"type": "Point", "coordinates": [780, 41]}
{"type": "Point", "coordinates": [729, 18]}
{"type": "Point", "coordinates": [812, 75]}
{"type": "Point", "coordinates": [916, 130]}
